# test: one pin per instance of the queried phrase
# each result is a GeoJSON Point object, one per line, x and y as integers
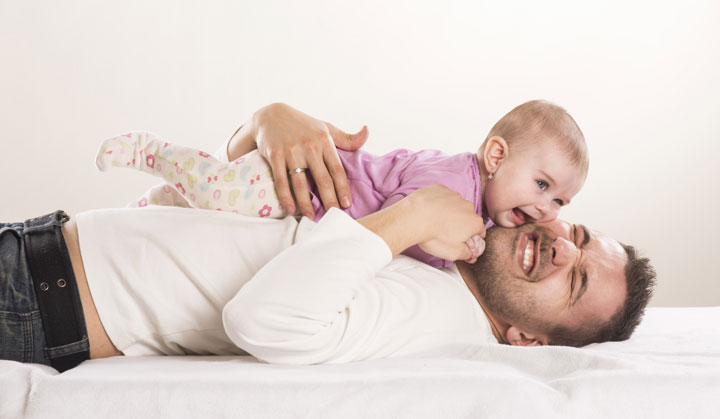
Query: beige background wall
{"type": "Point", "coordinates": [640, 77]}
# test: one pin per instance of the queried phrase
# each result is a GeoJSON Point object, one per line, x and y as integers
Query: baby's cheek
{"type": "Point", "coordinates": [491, 211]}
{"type": "Point", "coordinates": [550, 215]}
{"type": "Point", "coordinates": [548, 218]}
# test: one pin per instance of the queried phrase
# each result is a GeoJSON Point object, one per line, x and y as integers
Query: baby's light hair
{"type": "Point", "coordinates": [539, 120]}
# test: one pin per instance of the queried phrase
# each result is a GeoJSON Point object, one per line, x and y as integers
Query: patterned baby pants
{"type": "Point", "coordinates": [195, 178]}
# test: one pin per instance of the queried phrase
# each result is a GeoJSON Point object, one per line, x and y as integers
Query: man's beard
{"type": "Point", "coordinates": [504, 293]}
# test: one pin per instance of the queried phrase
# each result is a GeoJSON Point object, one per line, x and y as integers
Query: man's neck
{"type": "Point", "coordinates": [497, 326]}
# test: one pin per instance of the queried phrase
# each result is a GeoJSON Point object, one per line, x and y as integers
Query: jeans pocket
{"type": "Point", "coordinates": [21, 337]}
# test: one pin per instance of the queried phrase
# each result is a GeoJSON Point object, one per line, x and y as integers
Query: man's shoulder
{"type": "Point", "coordinates": [407, 264]}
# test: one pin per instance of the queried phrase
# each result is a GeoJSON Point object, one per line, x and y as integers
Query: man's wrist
{"type": "Point", "coordinates": [242, 141]}
{"type": "Point", "coordinates": [395, 225]}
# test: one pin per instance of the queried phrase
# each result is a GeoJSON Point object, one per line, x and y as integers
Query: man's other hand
{"type": "Point", "coordinates": [290, 139]}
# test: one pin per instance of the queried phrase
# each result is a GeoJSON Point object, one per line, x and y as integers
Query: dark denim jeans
{"type": "Point", "coordinates": [21, 332]}
{"type": "Point", "coordinates": [22, 337]}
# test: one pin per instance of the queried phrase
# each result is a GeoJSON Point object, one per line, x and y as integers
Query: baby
{"type": "Point", "coordinates": [533, 161]}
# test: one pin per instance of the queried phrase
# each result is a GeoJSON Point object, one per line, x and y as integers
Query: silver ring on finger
{"type": "Point", "coordinates": [297, 170]}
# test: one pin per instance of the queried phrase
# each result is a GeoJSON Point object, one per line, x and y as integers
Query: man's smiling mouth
{"type": "Point", "coordinates": [529, 257]}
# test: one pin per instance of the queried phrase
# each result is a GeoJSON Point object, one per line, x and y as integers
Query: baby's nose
{"type": "Point", "coordinates": [547, 213]}
{"type": "Point", "coordinates": [564, 252]}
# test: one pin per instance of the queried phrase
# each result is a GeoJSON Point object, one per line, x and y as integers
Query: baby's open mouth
{"type": "Point", "coordinates": [520, 216]}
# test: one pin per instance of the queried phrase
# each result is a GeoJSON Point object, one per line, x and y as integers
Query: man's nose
{"type": "Point", "coordinates": [564, 252]}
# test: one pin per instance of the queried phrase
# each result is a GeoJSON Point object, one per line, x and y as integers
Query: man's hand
{"type": "Point", "coordinates": [290, 139]}
{"type": "Point", "coordinates": [434, 217]}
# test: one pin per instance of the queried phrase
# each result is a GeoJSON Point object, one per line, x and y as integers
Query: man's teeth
{"type": "Point", "coordinates": [528, 257]}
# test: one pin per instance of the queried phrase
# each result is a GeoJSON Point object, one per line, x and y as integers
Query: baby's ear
{"type": "Point", "coordinates": [496, 149]}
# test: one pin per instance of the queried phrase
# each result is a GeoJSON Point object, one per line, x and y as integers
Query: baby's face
{"type": "Point", "coordinates": [532, 185]}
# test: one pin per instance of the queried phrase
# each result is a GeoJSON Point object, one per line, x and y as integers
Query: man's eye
{"type": "Point", "coordinates": [574, 233]}
{"type": "Point", "coordinates": [542, 184]}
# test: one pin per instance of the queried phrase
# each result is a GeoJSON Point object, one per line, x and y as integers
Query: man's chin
{"type": "Point", "coordinates": [501, 291]}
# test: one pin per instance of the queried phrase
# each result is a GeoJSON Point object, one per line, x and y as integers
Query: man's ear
{"type": "Point", "coordinates": [518, 337]}
{"type": "Point", "coordinates": [496, 149]}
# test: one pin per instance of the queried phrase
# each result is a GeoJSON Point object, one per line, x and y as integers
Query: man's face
{"type": "Point", "coordinates": [538, 276]}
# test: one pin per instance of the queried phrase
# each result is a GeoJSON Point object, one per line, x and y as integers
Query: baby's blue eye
{"type": "Point", "coordinates": [542, 184]}
{"type": "Point", "coordinates": [558, 201]}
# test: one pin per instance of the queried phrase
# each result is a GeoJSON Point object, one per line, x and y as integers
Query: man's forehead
{"type": "Point", "coordinates": [609, 250]}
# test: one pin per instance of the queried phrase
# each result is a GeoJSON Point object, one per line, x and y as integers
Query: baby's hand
{"type": "Point", "coordinates": [476, 244]}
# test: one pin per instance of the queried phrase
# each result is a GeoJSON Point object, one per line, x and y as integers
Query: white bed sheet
{"type": "Point", "coordinates": [670, 368]}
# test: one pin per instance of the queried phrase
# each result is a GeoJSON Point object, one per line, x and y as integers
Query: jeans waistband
{"type": "Point", "coordinates": [56, 291]}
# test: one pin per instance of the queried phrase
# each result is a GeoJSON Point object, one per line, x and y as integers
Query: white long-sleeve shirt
{"type": "Point", "coordinates": [183, 281]}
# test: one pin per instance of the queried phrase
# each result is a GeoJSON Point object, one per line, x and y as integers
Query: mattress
{"type": "Point", "coordinates": [670, 368]}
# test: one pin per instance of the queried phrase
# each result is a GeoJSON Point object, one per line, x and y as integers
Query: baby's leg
{"type": "Point", "coordinates": [143, 151]}
{"type": "Point", "coordinates": [162, 195]}
{"type": "Point", "coordinates": [244, 186]}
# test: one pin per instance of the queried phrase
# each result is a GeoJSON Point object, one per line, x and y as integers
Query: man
{"type": "Point", "coordinates": [575, 294]}
{"type": "Point", "coordinates": [270, 130]}
{"type": "Point", "coordinates": [175, 281]}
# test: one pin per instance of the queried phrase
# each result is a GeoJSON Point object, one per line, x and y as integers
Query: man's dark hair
{"type": "Point", "coordinates": [640, 281]}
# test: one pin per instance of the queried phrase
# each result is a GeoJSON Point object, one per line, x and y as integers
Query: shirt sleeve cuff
{"type": "Point", "coordinates": [368, 246]}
